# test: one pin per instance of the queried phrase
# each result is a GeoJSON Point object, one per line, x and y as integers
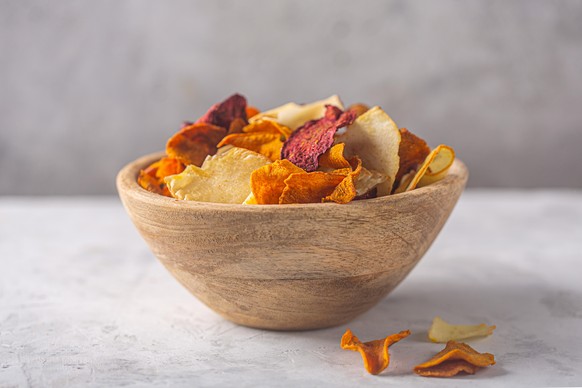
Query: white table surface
{"type": "Point", "coordinates": [83, 302]}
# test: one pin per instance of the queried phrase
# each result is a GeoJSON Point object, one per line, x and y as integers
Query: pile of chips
{"type": "Point", "coordinates": [310, 153]}
{"type": "Point", "coordinates": [455, 358]}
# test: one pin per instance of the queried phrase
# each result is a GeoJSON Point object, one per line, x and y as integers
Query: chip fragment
{"type": "Point", "coordinates": [193, 143]}
{"type": "Point", "coordinates": [375, 138]}
{"type": "Point", "coordinates": [359, 108]}
{"type": "Point", "coordinates": [304, 147]}
{"type": "Point", "coordinates": [152, 177]}
{"type": "Point", "coordinates": [223, 113]}
{"type": "Point", "coordinates": [223, 178]}
{"type": "Point", "coordinates": [456, 357]}
{"type": "Point", "coordinates": [374, 353]}
{"type": "Point", "coordinates": [412, 153]}
{"type": "Point", "coordinates": [293, 115]}
{"type": "Point", "coordinates": [441, 331]}
{"type": "Point", "coordinates": [268, 182]}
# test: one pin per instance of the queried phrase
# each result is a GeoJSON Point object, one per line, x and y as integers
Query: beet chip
{"type": "Point", "coordinates": [309, 142]}
{"type": "Point", "coordinates": [223, 113]}
{"type": "Point", "coordinates": [193, 143]}
{"type": "Point", "coordinates": [456, 357]}
{"type": "Point", "coordinates": [375, 353]}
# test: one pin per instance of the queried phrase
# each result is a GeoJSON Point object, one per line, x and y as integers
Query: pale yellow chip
{"type": "Point", "coordinates": [368, 180]}
{"type": "Point", "coordinates": [441, 331]}
{"type": "Point", "coordinates": [375, 138]}
{"type": "Point", "coordinates": [293, 115]}
{"type": "Point", "coordinates": [435, 167]}
{"type": "Point", "coordinates": [222, 178]}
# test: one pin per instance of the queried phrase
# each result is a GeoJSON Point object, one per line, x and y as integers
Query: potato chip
{"type": "Point", "coordinates": [223, 113]}
{"type": "Point", "coordinates": [223, 178]}
{"type": "Point", "coordinates": [456, 357]}
{"type": "Point", "coordinates": [434, 168]}
{"type": "Point", "coordinates": [152, 177]}
{"type": "Point", "coordinates": [268, 182]}
{"type": "Point", "coordinates": [405, 182]}
{"type": "Point", "coordinates": [374, 353]}
{"type": "Point", "coordinates": [293, 115]}
{"type": "Point", "coordinates": [412, 153]}
{"type": "Point", "coordinates": [441, 331]}
{"type": "Point", "coordinates": [304, 147]}
{"type": "Point", "coordinates": [193, 143]}
{"type": "Point", "coordinates": [375, 138]}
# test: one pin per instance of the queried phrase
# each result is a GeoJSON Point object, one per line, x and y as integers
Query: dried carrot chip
{"type": "Point", "coordinates": [152, 177]}
{"type": "Point", "coordinates": [412, 152]}
{"type": "Point", "coordinates": [374, 353]}
{"type": "Point", "coordinates": [268, 182]}
{"type": "Point", "coordinates": [441, 331]}
{"type": "Point", "coordinates": [252, 111]}
{"type": "Point", "coordinates": [310, 187]}
{"type": "Point", "coordinates": [346, 191]}
{"type": "Point", "coordinates": [193, 143]}
{"type": "Point", "coordinates": [456, 357]}
{"type": "Point", "coordinates": [261, 136]}
{"type": "Point", "coordinates": [236, 126]}
{"type": "Point", "coordinates": [333, 158]}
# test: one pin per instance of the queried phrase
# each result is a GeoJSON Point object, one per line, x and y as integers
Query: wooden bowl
{"type": "Point", "coordinates": [290, 267]}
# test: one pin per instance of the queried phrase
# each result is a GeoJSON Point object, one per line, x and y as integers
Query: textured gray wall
{"type": "Point", "coordinates": [86, 86]}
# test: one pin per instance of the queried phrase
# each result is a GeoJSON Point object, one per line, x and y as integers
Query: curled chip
{"type": "Point", "coordinates": [304, 147]}
{"type": "Point", "coordinates": [223, 178]}
{"type": "Point", "coordinates": [374, 353]}
{"type": "Point", "coordinates": [434, 168]}
{"type": "Point", "coordinates": [193, 143]}
{"type": "Point", "coordinates": [223, 113]}
{"type": "Point", "coordinates": [268, 182]}
{"type": "Point", "coordinates": [334, 158]}
{"type": "Point", "coordinates": [262, 136]}
{"type": "Point", "coordinates": [375, 138]}
{"type": "Point", "coordinates": [441, 331]}
{"type": "Point", "coordinates": [152, 177]}
{"type": "Point", "coordinates": [236, 126]}
{"type": "Point", "coordinates": [456, 357]}
{"type": "Point", "coordinates": [293, 115]}
{"type": "Point", "coordinates": [412, 152]}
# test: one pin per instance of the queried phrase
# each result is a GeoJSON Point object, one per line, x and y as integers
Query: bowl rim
{"type": "Point", "coordinates": [126, 182]}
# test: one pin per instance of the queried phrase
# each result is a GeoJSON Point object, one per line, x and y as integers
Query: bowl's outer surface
{"type": "Point", "coordinates": [290, 267]}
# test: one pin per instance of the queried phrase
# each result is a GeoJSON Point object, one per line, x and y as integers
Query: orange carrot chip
{"type": "Point", "coordinates": [251, 111]}
{"type": "Point", "coordinates": [193, 143]}
{"type": "Point", "coordinates": [412, 152]}
{"type": "Point", "coordinates": [268, 182]}
{"type": "Point", "coordinates": [375, 353]}
{"type": "Point", "coordinates": [152, 177]}
{"type": "Point", "coordinates": [263, 136]}
{"type": "Point", "coordinates": [310, 187]}
{"type": "Point", "coordinates": [333, 158]}
{"type": "Point", "coordinates": [456, 357]}
{"type": "Point", "coordinates": [359, 108]}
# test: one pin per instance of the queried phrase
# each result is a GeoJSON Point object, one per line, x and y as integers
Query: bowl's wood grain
{"type": "Point", "coordinates": [289, 267]}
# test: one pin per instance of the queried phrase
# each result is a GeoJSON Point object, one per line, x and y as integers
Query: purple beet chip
{"type": "Point", "coordinates": [304, 147]}
{"type": "Point", "coordinates": [223, 113]}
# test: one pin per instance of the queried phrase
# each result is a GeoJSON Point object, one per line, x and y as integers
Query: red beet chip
{"type": "Point", "coordinates": [304, 147]}
{"type": "Point", "coordinates": [223, 113]}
